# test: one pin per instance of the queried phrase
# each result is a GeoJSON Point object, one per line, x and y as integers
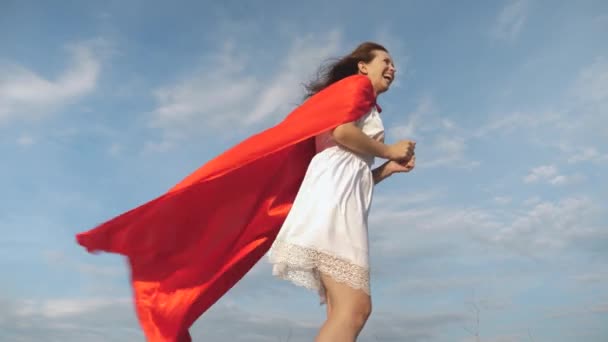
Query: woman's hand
{"type": "Point", "coordinates": [401, 150]}
{"type": "Point", "coordinates": [397, 167]}
{"type": "Point", "coordinates": [391, 167]}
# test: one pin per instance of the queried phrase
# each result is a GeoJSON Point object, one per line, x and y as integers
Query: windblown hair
{"type": "Point", "coordinates": [340, 68]}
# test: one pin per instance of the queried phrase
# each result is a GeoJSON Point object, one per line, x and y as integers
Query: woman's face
{"type": "Point", "coordinates": [380, 70]}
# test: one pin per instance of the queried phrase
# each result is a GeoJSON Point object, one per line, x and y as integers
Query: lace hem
{"type": "Point", "coordinates": [302, 266]}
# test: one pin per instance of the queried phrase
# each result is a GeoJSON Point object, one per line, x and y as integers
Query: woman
{"type": "Point", "coordinates": [323, 243]}
{"type": "Point", "coordinates": [187, 247]}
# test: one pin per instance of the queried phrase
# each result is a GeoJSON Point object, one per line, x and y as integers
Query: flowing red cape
{"type": "Point", "coordinates": [189, 246]}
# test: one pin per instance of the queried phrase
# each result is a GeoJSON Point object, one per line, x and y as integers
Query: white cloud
{"type": "Point", "coordinates": [25, 140]}
{"type": "Point", "coordinates": [385, 326]}
{"type": "Point", "coordinates": [517, 120]}
{"type": "Point", "coordinates": [592, 83]}
{"type": "Point", "coordinates": [601, 20]}
{"type": "Point", "coordinates": [115, 149]}
{"type": "Point", "coordinates": [545, 172]}
{"type": "Point", "coordinates": [583, 154]}
{"type": "Point", "coordinates": [502, 200]}
{"type": "Point", "coordinates": [531, 201]}
{"type": "Point", "coordinates": [538, 228]}
{"type": "Point", "coordinates": [417, 285]}
{"type": "Point", "coordinates": [588, 114]}
{"type": "Point", "coordinates": [58, 308]}
{"type": "Point", "coordinates": [284, 90]}
{"type": "Point", "coordinates": [515, 337]}
{"type": "Point", "coordinates": [224, 92]}
{"type": "Point", "coordinates": [600, 308]}
{"type": "Point", "coordinates": [62, 260]}
{"type": "Point", "coordinates": [410, 129]}
{"type": "Point", "coordinates": [550, 226]}
{"type": "Point", "coordinates": [580, 123]}
{"type": "Point", "coordinates": [511, 20]}
{"type": "Point", "coordinates": [215, 95]}
{"type": "Point", "coordinates": [26, 95]}
{"type": "Point", "coordinates": [406, 200]}
{"type": "Point", "coordinates": [550, 174]}
{"type": "Point", "coordinates": [441, 141]}
{"type": "Point", "coordinates": [108, 318]}
{"type": "Point", "coordinates": [69, 319]}
{"type": "Point", "coordinates": [160, 146]}
{"type": "Point", "coordinates": [592, 278]}
{"type": "Point", "coordinates": [448, 151]}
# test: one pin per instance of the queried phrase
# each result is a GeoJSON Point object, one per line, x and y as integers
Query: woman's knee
{"type": "Point", "coordinates": [356, 312]}
{"type": "Point", "coordinates": [349, 305]}
{"type": "Point", "coordinates": [362, 311]}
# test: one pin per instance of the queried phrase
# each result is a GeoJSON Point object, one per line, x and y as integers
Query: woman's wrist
{"type": "Point", "coordinates": [381, 172]}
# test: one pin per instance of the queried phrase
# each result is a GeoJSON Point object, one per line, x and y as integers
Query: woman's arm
{"type": "Point", "coordinates": [353, 138]}
{"type": "Point", "coordinates": [391, 167]}
{"type": "Point", "coordinates": [381, 173]}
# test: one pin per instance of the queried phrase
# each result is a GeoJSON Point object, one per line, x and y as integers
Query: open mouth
{"type": "Point", "coordinates": [388, 78]}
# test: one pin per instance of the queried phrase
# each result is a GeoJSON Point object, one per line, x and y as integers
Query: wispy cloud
{"type": "Point", "coordinates": [70, 319]}
{"type": "Point", "coordinates": [600, 308]}
{"type": "Point", "coordinates": [580, 124]}
{"type": "Point", "coordinates": [25, 140]}
{"type": "Point", "coordinates": [590, 103]}
{"type": "Point", "coordinates": [517, 120]}
{"type": "Point", "coordinates": [550, 226]}
{"type": "Point", "coordinates": [510, 20]}
{"type": "Point", "coordinates": [443, 142]}
{"type": "Point", "coordinates": [592, 278]}
{"type": "Point", "coordinates": [417, 285]}
{"type": "Point", "coordinates": [26, 95]}
{"type": "Point", "coordinates": [108, 318]}
{"type": "Point", "coordinates": [406, 200]}
{"type": "Point", "coordinates": [224, 91]}
{"type": "Point", "coordinates": [216, 93]}
{"type": "Point", "coordinates": [592, 83]}
{"type": "Point", "coordinates": [388, 326]}
{"type": "Point", "coordinates": [60, 259]}
{"type": "Point", "coordinates": [550, 174]}
{"type": "Point", "coordinates": [410, 129]}
{"type": "Point", "coordinates": [284, 90]}
{"type": "Point", "coordinates": [58, 308]}
{"type": "Point", "coordinates": [537, 228]}
{"type": "Point", "coordinates": [450, 151]}
{"type": "Point", "coordinates": [513, 337]}
{"type": "Point", "coordinates": [545, 172]}
{"type": "Point", "coordinates": [580, 154]}
{"type": "Point", "coordinates": [502, 200]}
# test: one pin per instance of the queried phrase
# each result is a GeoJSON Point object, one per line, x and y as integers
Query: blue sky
{"type": "Point", "coordinates": [105, 106]}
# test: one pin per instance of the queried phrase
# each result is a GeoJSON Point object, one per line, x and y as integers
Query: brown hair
{"type": "Point", "coordinates": [340, 68]}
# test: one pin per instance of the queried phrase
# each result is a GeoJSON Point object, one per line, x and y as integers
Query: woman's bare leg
{"type": "Point", "coordinates": [348, 310]}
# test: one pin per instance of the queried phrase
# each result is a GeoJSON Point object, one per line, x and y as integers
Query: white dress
{"type": "Point", "coordinates": [326, 228]}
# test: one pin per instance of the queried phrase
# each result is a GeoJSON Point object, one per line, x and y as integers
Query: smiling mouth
{"type": "Point", "coordinates": [388, 78]}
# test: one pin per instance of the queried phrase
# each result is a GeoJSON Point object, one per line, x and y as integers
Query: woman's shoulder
{"type": "Point", "coordinates": [373, 115]}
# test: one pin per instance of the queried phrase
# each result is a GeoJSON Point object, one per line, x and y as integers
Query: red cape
{"type": "Point", "coordinates": [189, 246]}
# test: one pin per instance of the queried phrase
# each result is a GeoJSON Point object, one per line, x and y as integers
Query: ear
{"type": "Point", "coordinates": [362, 66]}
